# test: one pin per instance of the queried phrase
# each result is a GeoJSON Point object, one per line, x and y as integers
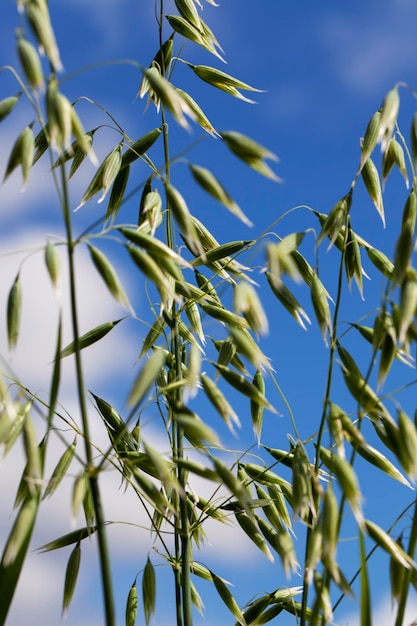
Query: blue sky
{"type": "Point", "coordinates": [325, 69]}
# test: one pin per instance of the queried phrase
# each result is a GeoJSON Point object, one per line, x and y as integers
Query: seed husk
{"type": "Point", "coordinates": [131, 606]}
{"type": "Point", "coordinates": [335, 221]}
{"type": "Point", "coordinates": [381, 261]}
{"type": "Point", "coordinates": [104, 177]}
{"type": "Point", "coordinates": [170, 98]}
{"type": "Point", "coordinates": [22, 154]}
{"type": "Point", "coordinates": [60, 470]}
{"type": "Point", "coordinates": [53, 265]}
{"type": "Point", "coordinates": [40, 23]}
{"type": "Point", "coordinates": [220, 402]}
{"type": "Point", "coordinates": [211, 184]}
{"type": "Point", "coordinates": [183, 217]}
{"type": "Point", "coordinates": [228, 598]}
{"type": "Point", "coordinates": [372, 183]}
{"type": "Point", "coordinates": [321, 307]}
{"type": "Point", "coordinates": [146, 377]}
{"type": "Point", "coordinates": [407, 451]}
{"type": "Point", "coordinates": [408, 304]}
{"type": "Point", "coordinates": [14, 311]}
{"type": "Point", "coordinates": [187, 9]}
{"type": "Point", "coordinates": [7, 105]}
{"type": "Point", "coordinates": [109, 276]}
{"type": "Point", "coordinates": [247, 302]}
{"type": "Point", "coordinates": [139, 147]}
{"type": "Point", "coordinates": [389, 545]}
{"type": "Point", "coordinates": [286, 297]}
{"type": "Point", "coordinates": [257, 410]}
{"type": "Point", "coordinates": [30, 62]}
{"type": "Point", "coordinates": [118, 192]}
{"type": "Point", "coordinates": [200, 117]}
{"type": "Point", "coordinates": [389, 112]}
{"type": "Point", "coordinates": [251, 152]}
{"type": "Point", "coordinates": [371, 137]}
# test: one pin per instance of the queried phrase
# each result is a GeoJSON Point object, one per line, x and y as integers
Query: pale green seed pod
{"type": "Point", "coordinates": [408, 304]}
{"type": "Point", "coordinates": [104, 177]}
{"type": "Point", "coordinates": [193, 313]}
{"type": "Point", "coordinates": [410, 211]}
{"type": "Point", "coordinates": [7, 105]}
{"type": "Point", "coordinates": [329, 528]}
{"type": "Point", "coordinates": [347, 479]}
{"type": "Point", "coordinates": [200, 117]}
{"type": "Point", "coordinates": [246, 346]}
{"type": "Point", "coordinates": [280, 540]}
{"type": "Point", "coordinates": [288, 300]}
{"type": "Point", "coordinates": [209, 183]}
{"type": "Point", "coordinates": [257, 410]}
{"type": "Point", "coordinates": [14, 310]}
{"type": "Point", "coordinates": [182, 216]}
{"type": "Point", "coordinates": [40, 23]}
{"type": "Point", "coordinates": [223, 81]}
{"type": "Point", "coordinates": [131, 606]}
{"type": "Point", "coordinates": [22, 154]}
{"type": "Point", "coordinates": [389, 112]}
{"type": "Point", "coordinates": [353, 262]}
{"type": "Point", "coordinates": [30, 62]}
{"type": "Point", "coordinates": [187, 9]}
{"type": "Point", "coordinates": [250, 152]}
{"type": "Point", "coordinates": [321, 307]}
{"type": "Point", "coordinates": [301, 483]}
{"type": "Point", "coordinates": [314, 550]}
{"type": "Point", "coordinates": [109, 276]}
{"type": "Point", "coordinates": [139, 147]}
{"type": "Point", "coordinates": [397, 155]}
{"type": "Point", "coordinates": [372, 183]}
{"type": "Point", "coordinates": [397, 573]}
{"type": "Point", "coordinates": [220, 402]}
{"type": "Point", "coordinates": [381, 261]}
{"type": "Point", "coordinates": [169, 97]}
{"type": "Point", "coordinates": [388, 544]}
{"type": "Point", "coordinates": [247, 302]}
{"type": "Point", "coordinates": [407, 449]}
{"type": "Point", "coordinates": [54, 266]}
{"type": "Point", "coordinates": [334, 420]}
{"type": "Point", "coordinates": [335, 220]}
{"type": "Point", "coordinates": [371, 137]}
{"type": "Point", "coordinates": [78, 494]}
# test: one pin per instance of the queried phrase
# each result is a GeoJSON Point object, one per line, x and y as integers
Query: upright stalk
{"type": "Point", "coordinates": [92, 474]}
{"type": "Point", "coordinates": [182, 527]}
{"type": "Point", "coordinates": [326, 400]}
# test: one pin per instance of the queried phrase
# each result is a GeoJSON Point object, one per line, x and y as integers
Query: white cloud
{"type": "Point", "coordinates": [383, 613]}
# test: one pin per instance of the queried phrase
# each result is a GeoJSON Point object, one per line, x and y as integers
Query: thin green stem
{"type": "Point", "coordinates": [182, 527]}
{"type": "Point", "coordinates": [93, 476]}
{"type": "Point", "coordinates": [333, 344]}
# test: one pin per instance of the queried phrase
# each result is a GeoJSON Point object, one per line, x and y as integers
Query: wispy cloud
{"type": "Point", "coordinates": [372, 48]}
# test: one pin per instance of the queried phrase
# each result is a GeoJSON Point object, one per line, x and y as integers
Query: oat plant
{"type": "Point", "coordinates": [201, 366]}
